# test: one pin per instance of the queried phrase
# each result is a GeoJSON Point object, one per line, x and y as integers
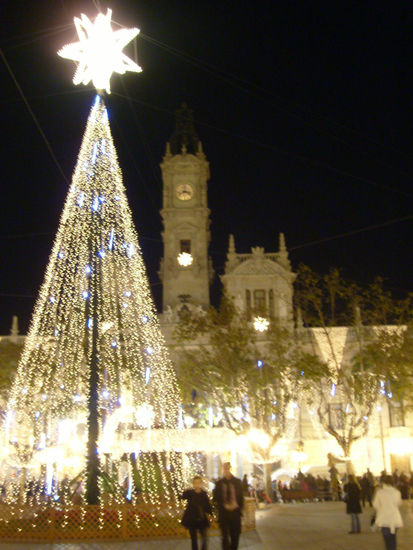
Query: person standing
{"type": "Point", "coordinates": [245, 486]}
{"type": "Point", "coordinates": [195, 517]}
{"type": "Point", "coordinates": [366, 490]}
{"type": "Point", "coordinates": [386, 502]}
{"type": "Point", "coordinates": [229, 500]}
{"type": "Point", "coordinates": [353, 506]}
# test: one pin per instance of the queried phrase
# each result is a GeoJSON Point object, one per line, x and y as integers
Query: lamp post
{"type": "Point", "coordinates": [383, 448]}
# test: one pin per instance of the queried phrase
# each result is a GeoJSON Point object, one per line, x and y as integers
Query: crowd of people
{"type": "Point", "coordinates": [383, 494]}
{"type": "Point", "coordinates": [307, 487]}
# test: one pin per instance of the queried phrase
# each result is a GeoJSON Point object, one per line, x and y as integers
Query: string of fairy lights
{"type": "Point", "coordinates": [95, 253]}
{"type": "Point", "coordinates": [94, 308]}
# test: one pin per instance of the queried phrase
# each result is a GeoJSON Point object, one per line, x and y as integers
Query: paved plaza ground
{"type": "Point", "coordinates": [313, 526]}
{"type": "Point", "coordinates": [324, 526]}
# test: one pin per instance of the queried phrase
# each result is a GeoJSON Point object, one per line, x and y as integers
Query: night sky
{"type": "Point", "coordinates": [304, 110]}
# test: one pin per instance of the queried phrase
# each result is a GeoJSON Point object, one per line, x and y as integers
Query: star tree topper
{"type": "Point", "coordinates": [99, 51]}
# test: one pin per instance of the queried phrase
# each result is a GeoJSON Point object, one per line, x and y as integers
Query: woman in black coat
{"type": "Point", "coordinates": [353, 492]}
{"type": "Point", "coordinates": [195, 517]}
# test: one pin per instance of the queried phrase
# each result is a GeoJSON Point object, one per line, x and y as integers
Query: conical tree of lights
{"type": "Point", "coordinates": [95, 383]}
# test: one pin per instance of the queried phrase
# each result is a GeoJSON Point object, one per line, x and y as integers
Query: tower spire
{"type": "Point", "coordinates": [283, 258]}
{"type": "Point", "coordinates": [14, 330]}
{"type": "Point", "coordinates": [231, 246]}
{"type": "Point", "coordinates": [184, 134]}
{"type": "Point", "coordinates": [231, 254]}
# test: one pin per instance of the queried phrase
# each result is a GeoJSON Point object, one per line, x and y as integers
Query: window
{"type": "Point", "coordinates": [185, 246]}
{"type": "Point", "coordinates": [259, 300]}
{"type": "Point", "coordinates": [396, 414]}
{"type": "Point", "coordinates": [335, 416]}
{"type": "Point", "coordinates": [248, 301]}
{"type": "Point", "coordinates": [271, 304]}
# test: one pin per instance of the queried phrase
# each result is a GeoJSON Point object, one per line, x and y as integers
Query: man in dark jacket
{"type": "Point", "coordinates": [229, 499]}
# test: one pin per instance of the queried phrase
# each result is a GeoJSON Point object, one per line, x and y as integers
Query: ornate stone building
{"type": "Point", "coordinates": [261, 283]}
{"type": "Point", "coordinates": [186, 269]}
{"type": "Point", "coordinates": [258, 282]}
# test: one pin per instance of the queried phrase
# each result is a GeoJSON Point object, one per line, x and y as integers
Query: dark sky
{"type": "Point", "coordinates": [304, 110]}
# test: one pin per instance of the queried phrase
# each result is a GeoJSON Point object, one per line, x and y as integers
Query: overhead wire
{"type": "Point", "coordinates": [353, 232]}
{"type": "Point", "coordinates": [233, 80]}
{"type": "Point", "coordinates": [279, 150]}
{"type": "Point", "coordinates": [243, 85]}
{"type": "Point", "coordinates": [35, 119]}
{"type": "Point", "coordinates": [263, 145]}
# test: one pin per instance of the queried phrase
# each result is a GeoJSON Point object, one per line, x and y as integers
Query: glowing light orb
{"type": "Point", "coordinates": [99, 51]}
{"type": "Point", "coordinates": [185, 259]}
{"type": "Point", "coordinates": [261, 324]}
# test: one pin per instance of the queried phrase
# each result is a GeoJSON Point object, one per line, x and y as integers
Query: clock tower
{"type": "Point", "coordinates": [186, 269]}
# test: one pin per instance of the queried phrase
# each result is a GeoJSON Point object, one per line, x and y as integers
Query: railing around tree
{"type": "Point", "coordinates": [93, 522]}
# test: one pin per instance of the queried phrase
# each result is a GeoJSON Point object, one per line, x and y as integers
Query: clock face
{"type": "Point", "coordinates": [184, 191]}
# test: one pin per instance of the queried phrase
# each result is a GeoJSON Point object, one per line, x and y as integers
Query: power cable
{"type": "Point", "coordinates": [40, 37]}
{"type": "Point", "coordinates": [145, 143]}
{"type": "Point", "coordinates": [37, 123]}
{"type": "Point", "coordinates": [354, 232]}
{"type": "Point", "coordinates": [233, 80]}
{"type": "Point", "coordinates": [279, 150]}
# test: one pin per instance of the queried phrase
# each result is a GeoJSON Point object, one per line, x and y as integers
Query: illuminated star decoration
{"type": "Point", "coordinates": [99, 51]}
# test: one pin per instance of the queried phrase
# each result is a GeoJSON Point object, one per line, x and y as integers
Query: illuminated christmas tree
{"type": "Point", "coordinates": [94, 385]}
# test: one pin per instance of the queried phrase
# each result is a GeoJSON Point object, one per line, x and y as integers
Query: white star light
{"type": "Point", "coordinates": [99, 51]}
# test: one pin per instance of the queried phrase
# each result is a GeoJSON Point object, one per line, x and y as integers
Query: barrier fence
{"type": "Point", "coordinates": [123, 522]}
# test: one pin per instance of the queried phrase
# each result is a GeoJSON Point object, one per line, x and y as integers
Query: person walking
{"type": "Point", "coordinates": [195, 517]}
{"type": "Point", "coordinates": [353, 506]}
{"type": "Point", "coordinates": [229, 500]}
{"type": "Point", "coordinates": [366, 490]}
{"type": "Point", "coordinates": [386, 502]}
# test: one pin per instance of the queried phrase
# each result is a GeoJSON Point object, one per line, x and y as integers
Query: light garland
{"type": "Point", "coordinates": [97, 279]}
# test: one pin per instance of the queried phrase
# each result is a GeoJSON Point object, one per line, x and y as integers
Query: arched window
{"type": "Point", "coordinates": [259, 301]}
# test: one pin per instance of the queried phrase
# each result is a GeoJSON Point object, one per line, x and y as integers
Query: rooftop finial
{"type": "Point", "coordinates": [283, 253]}
{"type": "Point", "coordinates": [299, 318]}
{"type": "Point", "coordinates": [282, 248]}
{"type": "Point", "coordinates": [14, 330]}
{"type": "Point", "coordinates": [231, 246]}
{"type": "Point", "coordinates": [232, 259]}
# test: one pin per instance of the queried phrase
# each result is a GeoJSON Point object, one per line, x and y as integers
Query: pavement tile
{"type": "Point", "coordinates": [310, 526]}
{"type": "Point", "coordinates": [324, 526]}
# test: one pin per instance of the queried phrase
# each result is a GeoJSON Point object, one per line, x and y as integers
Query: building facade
{"type": "Point", "coordinates": [186, 268]}
{"type": "Point", "coordinates": [261, 284]}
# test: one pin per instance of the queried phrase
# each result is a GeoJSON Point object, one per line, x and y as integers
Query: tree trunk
{"type": "Point", "coordinates": [93, 463]}
{"type": "Point", "coordinates": [267, 480]}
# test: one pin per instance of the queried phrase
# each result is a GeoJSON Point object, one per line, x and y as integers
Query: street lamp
{"type": "Point", "coordinates": [185, 259]}
{"type": "Point", "coordinates": [261, 324]}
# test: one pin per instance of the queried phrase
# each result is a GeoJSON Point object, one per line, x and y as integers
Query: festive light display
{"type": "Point", "coordinates": [185, 259]}
{"type": "Point", "coordinates": [261, 324]}
{"type": "Point", "coordinates": [94, 311]}
{"type": "Point", "coordinates": [99, 53]}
